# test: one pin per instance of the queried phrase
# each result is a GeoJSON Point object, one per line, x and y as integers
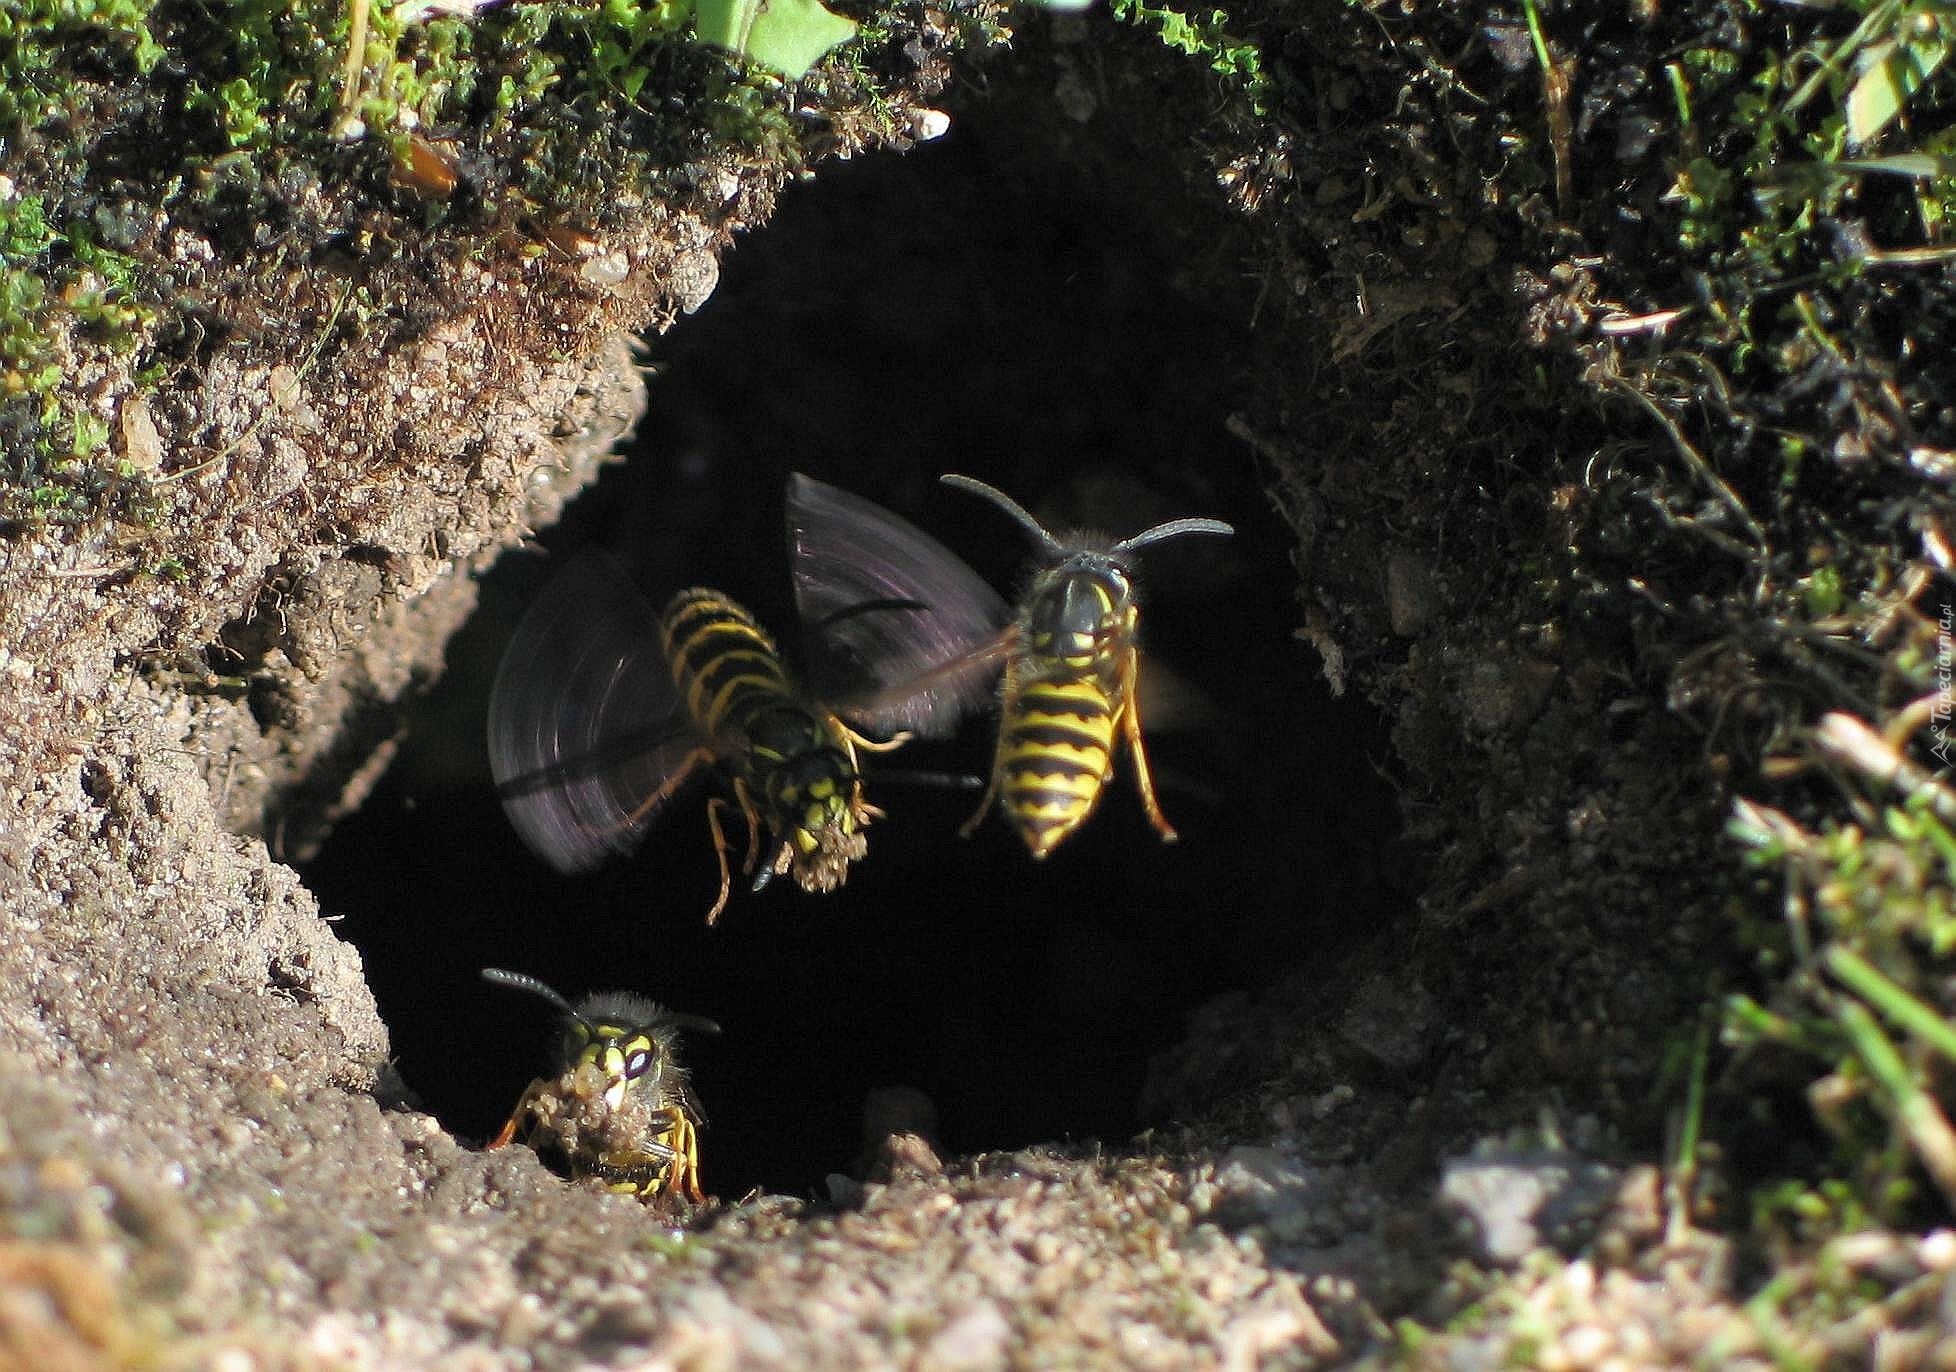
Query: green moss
{"type": "Point", "coordinates": [1210, 35]}
{"type": "Point", "coordinates": [58, 289]}
{"type": "Point", "coordinates": [36, 38]}
{"type": "Point", "coordinates": [677, 1245]}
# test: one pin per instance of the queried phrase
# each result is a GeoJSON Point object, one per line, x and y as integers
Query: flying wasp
{"type": "Point", "coordinates": [620, 1109]}
{"type": "Point", "coordinates": [603, 709]}
{"type": "Point", "coordinates": [1072, 666]}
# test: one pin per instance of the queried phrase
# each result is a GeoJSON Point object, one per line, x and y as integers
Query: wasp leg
{"type": "Point", "coordinates": [677, 1146]}
{"type": "Point", "coordinates": [753, 818]}
{"type": "Point", "coordinates": [666, 788]}
{"type": "Point", "coordinates": [713, 809]}
{"type": "Point", "coordinates": [1131, 725]}
{"type": "Point", "coordinates": [870, 745]}
{"type": "Point", "coordinates": [685, 1177]}
{"type": "Point", "coordinates": [1007, 710]}
{"type": "Point", "coordinates": [516, 1118]}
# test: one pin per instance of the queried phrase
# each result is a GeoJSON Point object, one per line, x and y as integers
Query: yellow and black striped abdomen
{"type": "Point", "coordinates": [1055, 748]}
{"type": "Point", "coordinates": [725, 665]}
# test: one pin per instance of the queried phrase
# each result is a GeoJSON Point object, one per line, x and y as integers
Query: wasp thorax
{"type": "Point", "coordinates": [781, 732]}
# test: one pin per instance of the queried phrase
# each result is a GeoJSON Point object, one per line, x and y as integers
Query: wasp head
{"type": "Point", "coordinates": [818, 802]}
{"type": "Point", "coordinates": [1080, 611]}
{"type": "Point", "coordinates": [624, 1044]}
{"type": "Point", "coordinates": [627, 1040]}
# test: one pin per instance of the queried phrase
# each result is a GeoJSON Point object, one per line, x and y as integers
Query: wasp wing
{"type": "Point", "coordinates": [904, 635]}
{"type": "Point", "coordinates": [587, 734]}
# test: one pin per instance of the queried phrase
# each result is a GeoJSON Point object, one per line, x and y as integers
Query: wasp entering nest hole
{"type": "Point", "coordinates": [1019, 326]}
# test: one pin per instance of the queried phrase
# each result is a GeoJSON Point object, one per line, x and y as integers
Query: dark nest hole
{"type": "Point", "coordinates": [1059, 322]}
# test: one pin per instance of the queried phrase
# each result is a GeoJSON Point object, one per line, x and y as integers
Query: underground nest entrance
{"type": "Point", "coordinates": [1035, 324]}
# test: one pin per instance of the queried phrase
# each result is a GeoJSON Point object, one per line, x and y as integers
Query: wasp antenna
{"type": "Point", "coordinates": [522, 981]}
{"type": "Point", "coordinates": [1048, 544]}
{"type": "Point", "coordinates": [1174, 528]}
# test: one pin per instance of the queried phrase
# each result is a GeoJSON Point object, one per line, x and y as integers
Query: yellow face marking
{"type": "Point", "coordinates": [611, 1059]}
{"type": "Point", "coordinates": [612, 1062]}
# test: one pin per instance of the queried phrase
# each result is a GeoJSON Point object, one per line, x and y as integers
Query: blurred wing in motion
{"type": "Point", "coordinates": [587, 734]}
{"type": "Point", "coordinates": [902, 635]}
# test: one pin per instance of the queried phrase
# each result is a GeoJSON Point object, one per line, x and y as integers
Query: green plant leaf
{"type": "Point", "coordinates": [1898, 1005]}
{"type": "Point", "coordinates": [1916, 164]}
{"type": "Point", "coordinates": [1891, 71]}
{"type": "Point", "coordinates": [788, 35]}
